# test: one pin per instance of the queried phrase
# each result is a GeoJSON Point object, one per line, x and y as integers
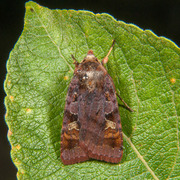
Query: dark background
{"type": "Point", "coordinates": [161, 16]}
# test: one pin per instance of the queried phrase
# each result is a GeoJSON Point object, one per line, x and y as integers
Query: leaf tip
{"type": "Point", "coordinates": [31, 5]}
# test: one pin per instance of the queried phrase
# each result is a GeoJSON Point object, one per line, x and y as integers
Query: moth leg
{"type": "Point", "coordinates": [124, 103]}
{"type": "Point", "coordinates": [105, 60]}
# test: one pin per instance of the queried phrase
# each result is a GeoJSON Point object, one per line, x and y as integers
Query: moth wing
{"type": "Point", "coordinates": [101, 133]}
{"type": "Point", "coordinates": [71, 152]}
{"type": "Point", "coordinates": [113, 137]}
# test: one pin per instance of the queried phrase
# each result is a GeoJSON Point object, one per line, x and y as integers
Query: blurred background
{"type": "Point", "coordinates": [161, 16]}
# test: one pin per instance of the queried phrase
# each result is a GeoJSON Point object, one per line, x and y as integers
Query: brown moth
{"type": "Point", "coordinates": [91, 125]}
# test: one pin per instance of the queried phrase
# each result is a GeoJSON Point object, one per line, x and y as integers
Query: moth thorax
{"type": "Point", "coordinates": [94, 74]}
{"type": "Point", "coordinates": [91, 75]}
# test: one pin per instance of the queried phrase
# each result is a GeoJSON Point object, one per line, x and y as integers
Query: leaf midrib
{"type": "Point", "coordinates": [60, 54]}
{"type": "Point", "coordinates": [140, 157]}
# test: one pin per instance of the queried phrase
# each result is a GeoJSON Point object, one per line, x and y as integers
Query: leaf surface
{"type": "Point", "coordinates": [145, 69]}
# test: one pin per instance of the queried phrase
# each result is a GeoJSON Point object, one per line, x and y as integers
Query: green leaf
{"type": "Point", "coordinates": [145, 69]}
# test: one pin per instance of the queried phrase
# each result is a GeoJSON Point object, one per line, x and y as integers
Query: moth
{"type": "Point", "coordinates": [91, 125]}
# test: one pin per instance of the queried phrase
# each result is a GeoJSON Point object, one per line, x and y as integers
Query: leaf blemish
{"type": "Point", "coordinates": [11, 98]}
{"type": "Point", "coordinates": [31, 9]}
{"type": "Point", "coordinates": [9, 83]}
{"type": "Point", "coordinates": [16, 147]}
{"type": "Point", "coordinates": [66, 77]}
{"type": "Point", "coordinates": [173, 80]}
{"type": "Point", "coordinates": [28, 110]}
{"type": "Point", "coordinates": [16, 162]}
{"type": "Point", "coordinates": [9, 133]}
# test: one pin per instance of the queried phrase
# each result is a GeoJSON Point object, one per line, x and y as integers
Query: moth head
{"type": "Point", "coordinates": [90, 57]}
{"type": "Point", "coordinates": [89, 68]}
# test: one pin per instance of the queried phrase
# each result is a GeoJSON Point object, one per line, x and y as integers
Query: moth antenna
{"type": "Point", "coordinates": [105, 60]}
{"type": "Point", "coordinates": [75, 61]}
{"type": "Point", "coordinates": [124, 103]}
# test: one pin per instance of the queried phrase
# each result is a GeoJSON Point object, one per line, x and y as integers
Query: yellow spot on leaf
{"type": "Point", "coordinates": [20, 172]}
{"type": "Point", "coordinates": [11, 98]}
{"type": "Point", "coordinates": [18, 147]}
{"type": "Point", "coordinates": [28, 7]}
{"type": "Point", "coordinates": [16, 162]}
{"type": "Point", "coordinates": [173, 80]}
{"type": "Point", "coordinates": [9, 133]}
{"type": "Point", "coordinates": [28, 110]}
{"type": "Point", "coordinates": [66, 77]}
{"type": "Point", "coordinates": [9, 83]}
